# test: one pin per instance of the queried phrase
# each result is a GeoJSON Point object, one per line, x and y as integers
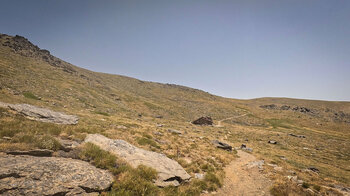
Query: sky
{"type": "Point", "coordinates": [238, 49]}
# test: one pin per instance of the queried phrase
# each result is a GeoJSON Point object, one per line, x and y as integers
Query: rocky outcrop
{"type": "Point", "coordinates": [222, 145]}
{"type": "Point", "coordinates": [206, 120]}
{"type": "Point", "coordinates": [27, 175]}
{"type": "Point", "coordinates": [22, 46]}
{"type": "Point", "coordinates": [169, 171]}
{"type": "Point", "coordinates": [42, 114]}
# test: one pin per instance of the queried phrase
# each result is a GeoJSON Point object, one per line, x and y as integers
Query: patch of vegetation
{"type": "Point", "coordinates": [136, 182]}
{"type": "Point", "coordinates": [30, 95]}
{"type": "Point", "coordinates": [147, 141]}
{"type": "Point", "coordinates": [276, 123]}
{"type": "Point", "coordinates": [98, 157]}
{"type": "Point", "coordinates": [43, 142]}
{"type": "Point", "coordinates": [101, 113]}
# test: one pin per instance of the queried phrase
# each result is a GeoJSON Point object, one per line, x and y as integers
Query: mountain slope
{"type": "Point", "coordinates": [130, 109]}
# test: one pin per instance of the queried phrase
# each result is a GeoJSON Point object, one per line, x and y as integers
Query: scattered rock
{"type": "Point", "coordinates": [158, 133]}
{"type": "Point", "coordinates": [161, 141]}
{"type": "Point", "coordinates": [41, 114]}
{"type": "Point", "coordinates": [203, 121]}
{"type": "Point", "coordinates": [299, 136]}
{"type": "Point", "coordinates": [272, 142]}
{"type": "Point", "coordinates": [174, 131]}
{"type": "Point", "coordinates": [244, 147]}
{"type": "Point", "coordinates": [258, 164]}
{"type": "Point", "coordinates": [169, 171]}
{"type": "Point", "coordinates": [222, 145]}
{"type": "Point", "coordinates": [6, 138]}
{"type": "Point", "coordinates": [36, 152]}
{"type": "Point", "coordinates": [314, 169]}
{"type": "Point", "coordinates": [159, 116]}
{"type": "Point", "coordinates": [160, 125]}
{"type": "Point", "coordinates": [121, 127]}
{"type": "Point", "coordinates": [199, 176]}
{"type": "Point", "coordinates": [27, 175]}
{"type": "Point", "coordinates": [270, 107]}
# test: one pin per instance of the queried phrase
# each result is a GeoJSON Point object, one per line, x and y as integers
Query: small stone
{"type": "Point", "coordinates": [272, 142]}
{"type": "Point", "coordinates": [174, 131]}
{"type": "Point", "coordinates": [199, 176]}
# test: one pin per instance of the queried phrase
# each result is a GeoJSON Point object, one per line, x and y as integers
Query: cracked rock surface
{"type": "Point", "coordinates": [169, 171]}
{"type": "Point", "coordinates": [28, 175]}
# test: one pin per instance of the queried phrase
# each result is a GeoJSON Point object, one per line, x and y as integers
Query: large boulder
{"type": "Point", "coordinates": [28, 175]}
{"type": "Point", "coordinates": [42, 114]}
{"type": "Point", "coordinates": [206, 120]}
{"type": "Point", "coordinates": [169, 171]}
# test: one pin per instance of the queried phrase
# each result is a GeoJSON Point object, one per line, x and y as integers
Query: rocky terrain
{"type": "Point", "coordinates": [70, 131]}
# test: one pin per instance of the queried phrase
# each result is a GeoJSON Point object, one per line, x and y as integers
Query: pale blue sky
{"type": "Point", "coordinates": [239, 49]}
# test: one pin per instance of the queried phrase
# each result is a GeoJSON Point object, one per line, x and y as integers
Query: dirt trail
{"type": "Point", "coordinates": [243, 178]}
{"type": "Point", "coordinates": [220, 121]}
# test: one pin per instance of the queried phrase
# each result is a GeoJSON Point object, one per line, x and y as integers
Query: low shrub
{"type": "Point", "coordinates": [98, 157]}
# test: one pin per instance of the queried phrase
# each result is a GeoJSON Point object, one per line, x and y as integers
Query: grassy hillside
{"type": "Point", "coordinates": [130, 109]}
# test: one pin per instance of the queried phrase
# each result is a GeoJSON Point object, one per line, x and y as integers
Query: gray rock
{"type": "Point", "coordinates": [245, 148]}
{"type": "Point", "coordinates": [174, 131]}
{"type": "Point", "coordinates": [36, 152]}
{"type": "Point", "coordinates": [68, 145]}
{"type": "Point", "coordinates": [199, 176]}
{"type": "Point", "coordinates": [169, 171]}
{"type": "Point", "coordinates": [27, 175]}
{"type": "Point", "coordinates": [42, 114]}
{"type": "Point", "coordinates": [222, 145]}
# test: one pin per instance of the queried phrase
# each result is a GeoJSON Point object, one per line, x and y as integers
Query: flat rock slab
{"type": "Point", "coordinates": [169, 171]}
{"type": "Point", "coordinates": [42, 114]}
{"type": "Point", "coordinates": [28, 175]}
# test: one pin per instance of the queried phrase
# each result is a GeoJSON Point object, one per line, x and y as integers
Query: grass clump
{"type": "Point", "coordinates": [30, 95]}
{"type": "Point", "coordinates": [102, 113]}
{"type": "Point", "coordinates": [147, 141]}
{"type": "Point", "coordinates": [136, 182]}
{"type": "Point", "coordinates": [48, 142]}
{"type": "Point", "coordinates": [98, 157]}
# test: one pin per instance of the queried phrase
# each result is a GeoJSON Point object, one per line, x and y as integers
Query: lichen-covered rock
{"type": "Point", "coordinates": [42, 114]}
{"type": "Point", "coordinates": [28, 175]}
{"type": "Point", "coordinates": [169, 171]}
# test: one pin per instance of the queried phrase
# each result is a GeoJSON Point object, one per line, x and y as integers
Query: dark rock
{"type": "Point", "coordinates": [222, 145]}
{"type": "Point", "coordinates": [299, 136]}
{"type": "Point", "coordinates": [203, 121]}
{"type": "Point", "coordinates": [285, 107]}
{"type": "Point", "coordinates": [27, 175]}
{"type": "Point", "coordinates": [37, 153]}
{"type": "Point", "coordinates": [272, 142]}
{"type": "Point", "coordinates": [245, 148]}
{"type": "Point", "coordinates": [314, 169]}
{"type": "Point", "coordinates": [270, 107]}
{"type": "Point", "coordinates": [159, 116]}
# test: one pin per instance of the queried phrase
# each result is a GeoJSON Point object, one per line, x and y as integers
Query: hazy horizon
{"type": "Point", "coordinates": [235, 49]}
